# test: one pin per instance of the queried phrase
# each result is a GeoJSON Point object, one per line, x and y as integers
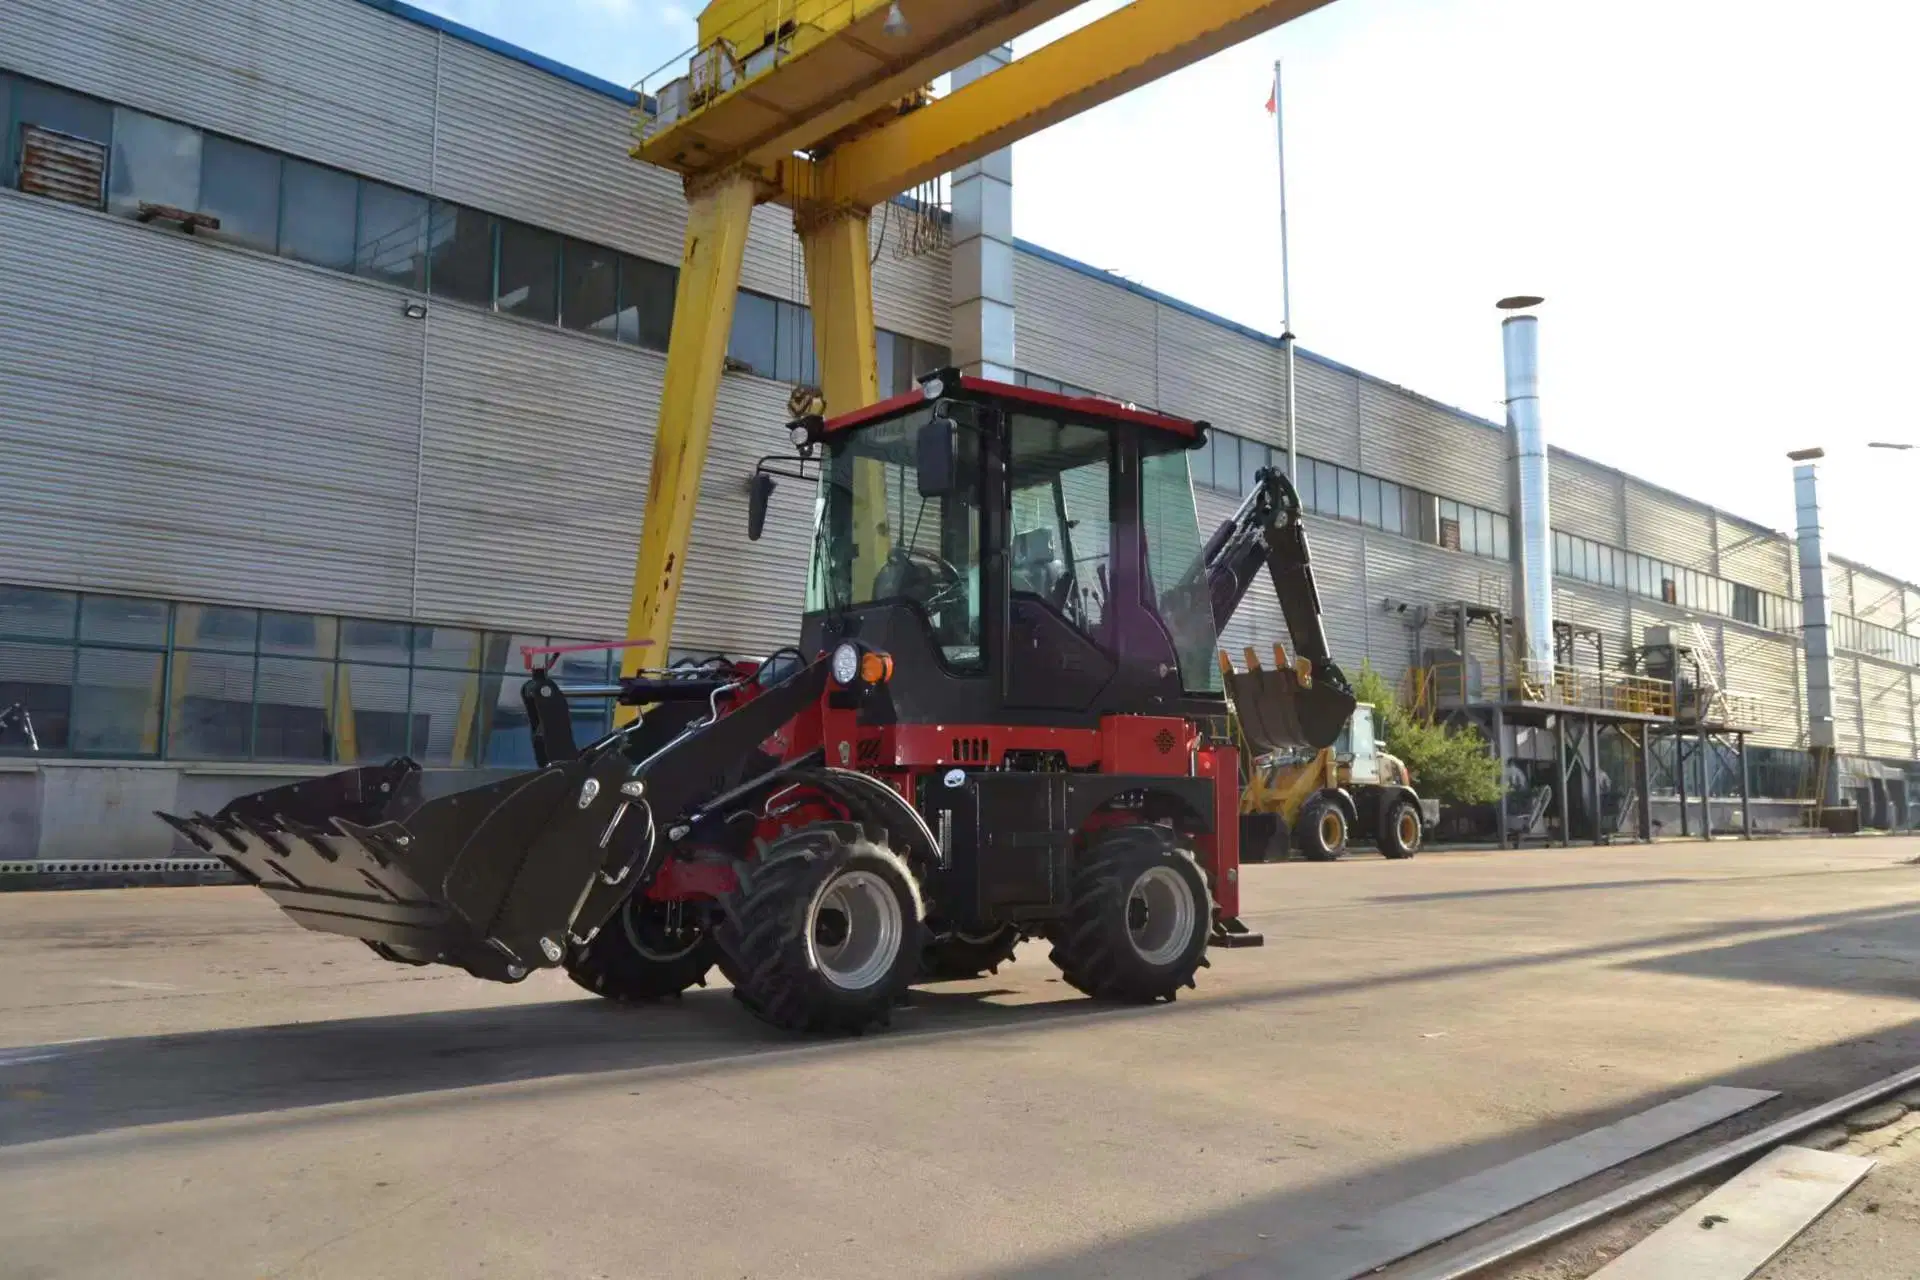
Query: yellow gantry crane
{"type": "Point", "coordinates": [823, 106]}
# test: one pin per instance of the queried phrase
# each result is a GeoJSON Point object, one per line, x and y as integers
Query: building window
{"type": "Point", "coordinates": [589, 288]}
{"type": "Point", "coordinates": [755, 335]}
{"type": "Point", "coordinates": [793, 357]}
{"type": "Point", "coordinates": [529, 270]}
{"type": "Point", "coordinates": [1254, 458]}
{"type": "Point", "coordinates": [317, 215]}
{"type": "Point", "coordinates": [155, 163]}
{"type": "Point", "coordinates": [391, 243]}
{"type": "Point", "coordinates": [646, 302]}
{"type": "Point", "coordinates": [460, 254]}
{"type": "Point", "coordinates": [240, 185]}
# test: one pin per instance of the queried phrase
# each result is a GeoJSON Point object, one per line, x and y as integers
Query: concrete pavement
{"type": "Point", "coordinates": [191, 1086]}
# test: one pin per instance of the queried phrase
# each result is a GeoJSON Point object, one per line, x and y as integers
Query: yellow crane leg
{"type": "Point", "coordinates": [717, 217]}
{"type": "Point", "coordinates": [840, 289]}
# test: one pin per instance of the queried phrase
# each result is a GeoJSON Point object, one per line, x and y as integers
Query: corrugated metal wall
{"type": "Point", "coordinates": [1886, 709]}
{"type": "Point", "coordinates": [1072, 327]}
{"type": "Point", "coordinates": [1877, 598]}
{"type": "Point", "coordinates": [1846, 705]}
{"type": "Point", "coordinates": [332, 80]}
{"type": "Point", "coordinates": [1585, 498]}
{"type": "Point", "coordinates": [1406, 439]}
{"type": "Point", "coordinates": [1754, 556]}
{"type": "Point", "coordinates": [1766, 669]}
{"type": "Point", "coordinates": [1238, 386]}
{"type": "Point", "coordinates": [185, 419]}
{"type": "Point", "coordinates": [1608, 612]}
{"type": "Point", "coordinates": [1668, 528]}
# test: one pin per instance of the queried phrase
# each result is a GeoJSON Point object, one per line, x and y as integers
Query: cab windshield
{"type": "Point", "coordinates": [876, 538]}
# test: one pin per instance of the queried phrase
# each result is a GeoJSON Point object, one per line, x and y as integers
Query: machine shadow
{"type": "Point", "coordinates": [1261, 1224]}
{"type": "Point", "coordinates": [1879, 955]}
{"type": "Point", "coordinates": [105, 1086]}
{"type": "Point", "coordinates": [102, 1086]}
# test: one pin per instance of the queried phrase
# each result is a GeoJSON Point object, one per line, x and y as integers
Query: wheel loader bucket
{"type": "Point", "coordinates": [1278, 711]}
{"type": "Point", "coordinates": [497, 879]}
{"type": "Point", "coordinates": [423, 878]}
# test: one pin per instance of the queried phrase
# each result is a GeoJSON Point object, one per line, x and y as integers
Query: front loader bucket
{"type": "Point", "coordinates": [1278, 712]}
{"type": "Point", "coordinates": [373, 854]}
{"type": "Point", "coordinates": [496, 879]}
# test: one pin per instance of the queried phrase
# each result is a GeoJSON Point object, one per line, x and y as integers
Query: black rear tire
{"type": "Point", "coordinates": [1322, 833]}
{"type": "Point", "coordinates": [1138, 926]}
{"type": "Point", "coordinates": [647, 951]}
{"type": "Point", "coordinates": [958, 956]}
{"type": "Point", "coordinates": [825, 931]}
{"type": "Point", "coordinates": [1401, 829]}
{"type": "Point", "coordinates": [1260, 839]}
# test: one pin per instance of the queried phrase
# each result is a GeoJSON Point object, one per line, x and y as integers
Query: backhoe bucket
{"type": "Point", "coordinates": [1277, 712]}
{"type": "Point", "coordinates": [372, 854]}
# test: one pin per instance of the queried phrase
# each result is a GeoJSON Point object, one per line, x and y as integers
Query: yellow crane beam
{"type": "Point", "coordinates": [1130, 47]}
{"type": "Point", "coordinates": [800, 76]}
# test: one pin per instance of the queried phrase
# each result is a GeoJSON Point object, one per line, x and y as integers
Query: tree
{"type": "Point", "coordinates": [1450, 765]}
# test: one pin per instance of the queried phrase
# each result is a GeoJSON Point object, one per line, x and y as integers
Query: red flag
{"type": "Point", "coordinates": [1272, 95]}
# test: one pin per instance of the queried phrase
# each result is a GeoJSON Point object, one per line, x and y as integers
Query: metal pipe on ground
{"type": "Point", "coordinates": [1526, 1239]}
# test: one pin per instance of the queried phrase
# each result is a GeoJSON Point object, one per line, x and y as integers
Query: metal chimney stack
{"type": "Point", "coordinates": [1532, 518]}
{"type": "Point", "coordinates": [1813, 605]}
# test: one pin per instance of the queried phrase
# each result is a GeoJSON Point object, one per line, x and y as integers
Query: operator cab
{"type": "Point", "coordinates": [1023, 556]}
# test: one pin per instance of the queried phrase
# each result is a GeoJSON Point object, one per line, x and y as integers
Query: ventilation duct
{"type": "Point", "coordinates": [1532, 518]}
{"type": "Point", "coordinates": [1813, 606]}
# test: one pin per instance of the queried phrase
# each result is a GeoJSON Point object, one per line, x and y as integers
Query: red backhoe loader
{"type": "Point", "coordinates": [1003, 720]}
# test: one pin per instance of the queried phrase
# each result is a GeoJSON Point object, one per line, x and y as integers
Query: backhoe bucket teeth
{"type": "Point", "coordinates": [372, 853]}
{"type": "Point", "coordinates": [1279, 713]}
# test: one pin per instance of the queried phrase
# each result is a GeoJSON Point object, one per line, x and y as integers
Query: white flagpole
{"type": "Point", "coordinates": [1286, 278]}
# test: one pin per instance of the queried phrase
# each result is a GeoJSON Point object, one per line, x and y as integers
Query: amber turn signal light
{"type": "Point", "coordinates": [875, 667]}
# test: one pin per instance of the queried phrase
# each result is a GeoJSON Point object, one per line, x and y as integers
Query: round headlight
{"type": "Point", "coordinates": [800, 435]}
{"type": "Point", "coordinates": [846, 663]}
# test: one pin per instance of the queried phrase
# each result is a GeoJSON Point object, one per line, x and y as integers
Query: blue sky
{"type": "Point", "coordinates": [1717, 198]}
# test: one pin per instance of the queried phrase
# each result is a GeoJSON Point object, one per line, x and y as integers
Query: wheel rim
{"type": "Point", "coordinates": [855, 930]}
{"type": "Point", "coordinates": [1160, 915]}
{"type": "Point", "coordinates": [660, 931]}
{"type": "Point", "coordinates": [1409, 830]}
{"type": "Point", "coordinates": [1330, 829]}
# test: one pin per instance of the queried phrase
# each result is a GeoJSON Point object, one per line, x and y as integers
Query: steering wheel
{"type": "Point", "coordinates": [947, 580]}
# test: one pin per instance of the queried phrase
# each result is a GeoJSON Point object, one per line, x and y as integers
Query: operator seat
{"type": "Point", "coordinates": [1037, 568]}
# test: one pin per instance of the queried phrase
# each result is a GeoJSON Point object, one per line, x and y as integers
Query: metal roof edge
{"type": "Point", "coordinates": [493, 44]}
{"type": "Point", "coordinates": [1881, 574]}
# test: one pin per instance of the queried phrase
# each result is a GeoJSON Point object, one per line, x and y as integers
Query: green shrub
{"type": "Point", "coordinates": [1452, 766]}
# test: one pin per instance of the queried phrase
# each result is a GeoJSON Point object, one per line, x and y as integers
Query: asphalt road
{"type": "Point", "coordinates": [190, 1086]}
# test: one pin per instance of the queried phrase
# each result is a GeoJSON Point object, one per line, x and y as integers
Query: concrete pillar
{"type": "Point", "coordinates": [982, 294]}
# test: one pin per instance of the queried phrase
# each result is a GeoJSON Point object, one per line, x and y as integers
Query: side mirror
{"type": "Point", "coordinates": [934, 458]}
{"type": "Point", "coordinates": [759, 494]}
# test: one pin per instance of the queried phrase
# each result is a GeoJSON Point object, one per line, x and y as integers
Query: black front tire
{"type": "Point", "coordinates": [825, 932]}
{"type": "Point", "coordinates": [1401, 829]}
{"type": "Point", "coordinates": [958, 956]}
{"type": "Point", "coordinates": [1322, 833]}
{"type": "Point", "coordinates": [1138, 926]}
{"type": "Point", "coordinates": [647, 951]}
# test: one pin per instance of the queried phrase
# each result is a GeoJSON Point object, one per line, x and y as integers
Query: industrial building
{"type": "Point", "coordinates": [293, 490]}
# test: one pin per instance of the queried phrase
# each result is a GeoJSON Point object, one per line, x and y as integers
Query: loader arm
{"type": "Point", "coordinates": [1308, 701]}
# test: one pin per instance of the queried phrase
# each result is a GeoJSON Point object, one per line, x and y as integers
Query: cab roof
{"type": "Point", "coordinates": [1080, 408]}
